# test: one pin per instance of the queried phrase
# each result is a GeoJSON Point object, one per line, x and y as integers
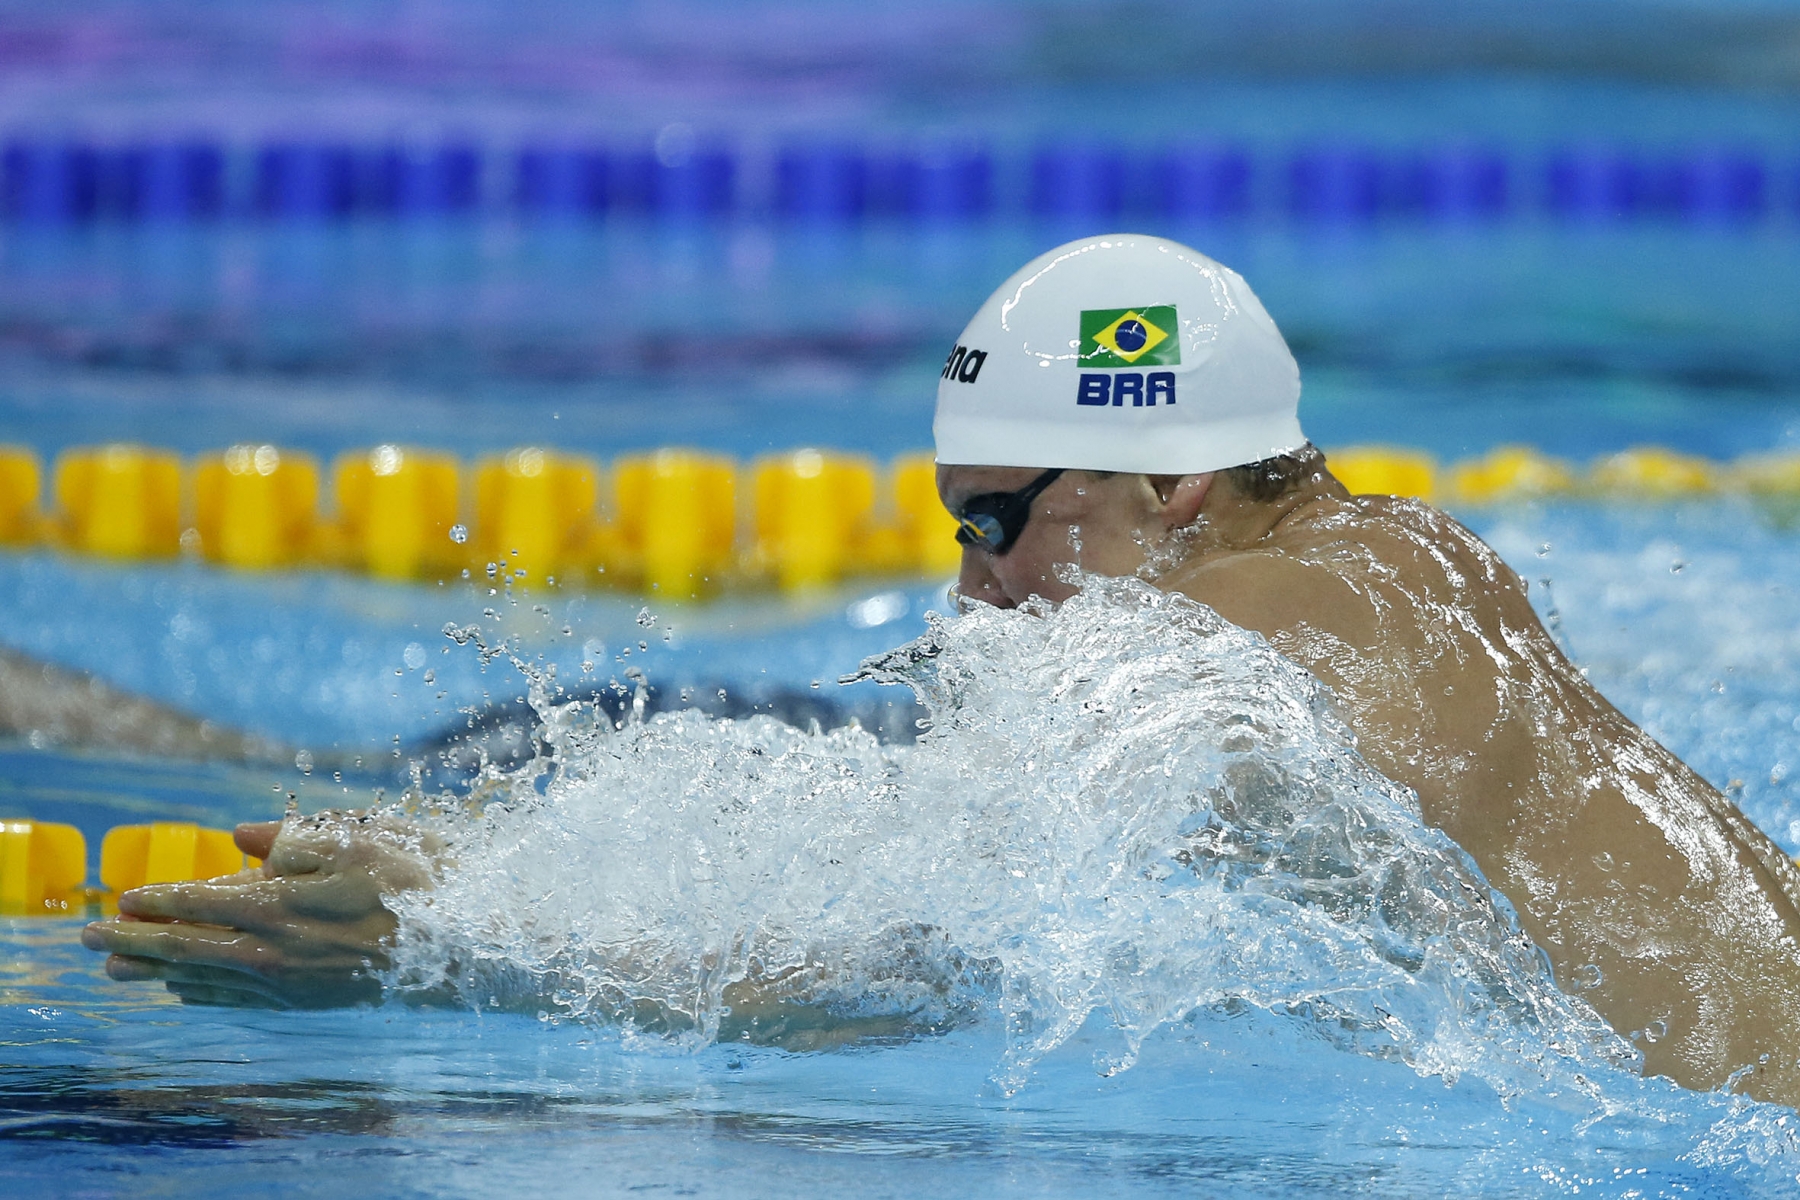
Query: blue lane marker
{"type": "Point", "coordinates": [821, 181]}
{"type": "Point", "coordinates": [164, 182]}
{"type": "Point", "coordinates": [701, 182]}
{"type": "Point", "coordinates": [306, 181]}
{"type": "Point", "coordinates": [62, 180]}
{"type": "Point", "coordinates": [1203, 181]}
{"type": "Point", "coordinates": [442, 180]}
{"type": "Point", "coordinates": [562, 181]}
{"type": "Point", "coordinates": [947, 181]}
{"type": "Point", "coordinates": [50, 182]}
{"type": "Point", "coordinates": [1077, 181]}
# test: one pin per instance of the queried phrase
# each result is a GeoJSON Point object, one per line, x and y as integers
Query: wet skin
{"type": "Point", "coordinates": [1656, 900]}
{"type": "Point", "coordinates": [307, 929]}
{"type": "Point", "coordinates": [1653, 897]}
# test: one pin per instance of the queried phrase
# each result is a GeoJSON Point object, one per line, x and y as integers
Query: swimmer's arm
{"type": "Point", "coordinates": [309, 930]}
{"type": "Point", "coordinates": [773, 1012]}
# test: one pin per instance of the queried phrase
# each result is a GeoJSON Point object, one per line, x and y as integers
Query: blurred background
{"type": "Point", "coordinates": [753, 225]}
{"type": "Point", "coordinates": [744, 227]}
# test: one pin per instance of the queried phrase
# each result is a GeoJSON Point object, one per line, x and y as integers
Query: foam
{"type": "Point", "coordinates": [1126, 807]}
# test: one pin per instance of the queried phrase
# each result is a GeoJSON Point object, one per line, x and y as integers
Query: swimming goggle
{"type": "Point", "coordinates": [994, 520]}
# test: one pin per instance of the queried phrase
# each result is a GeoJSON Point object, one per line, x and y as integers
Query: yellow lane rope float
{"type": "Point", "coordinates": [44, 865]}
{"type": "Point", "coordinates": [674, 523]}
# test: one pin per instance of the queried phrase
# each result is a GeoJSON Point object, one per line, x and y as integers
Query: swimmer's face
{"type": "Point", "coordinates": [1104, 524]}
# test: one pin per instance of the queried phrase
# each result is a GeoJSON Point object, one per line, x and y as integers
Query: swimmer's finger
{"type": "Point", "coordinates": [256, 838]}
{"type": "Point", "coordinates": [303, 949]}
{"type": "Point", "coordinates": [255, 905]}
{"type": "Point", "coordinates": [280, 907]}
{"type": "Point", "coordinates": [169, 942]}
{"type": "Point", "coordinates": [126, 969]}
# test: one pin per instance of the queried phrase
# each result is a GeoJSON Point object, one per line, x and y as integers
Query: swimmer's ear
{"type": "Point", "coordinates": [1181, 497]}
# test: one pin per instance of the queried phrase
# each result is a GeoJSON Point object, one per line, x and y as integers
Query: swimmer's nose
{"type": "Point", "coordinates": [976, 584]}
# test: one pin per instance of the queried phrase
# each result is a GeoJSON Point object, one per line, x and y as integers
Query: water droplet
{"type": "Point", "coordinates": [413, 656]}
{"type": "Point", "coordinates": [646, 618]}
{"type": "Point", "coordinates": [304, 762]}
{"type": "Point", "coordinates": [459, 534]}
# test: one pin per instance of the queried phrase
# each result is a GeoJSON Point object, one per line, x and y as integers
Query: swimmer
{"type": "Point", "coordinates": [1126, 405]}
{"type": "Point", "coordinates": [48, 705]}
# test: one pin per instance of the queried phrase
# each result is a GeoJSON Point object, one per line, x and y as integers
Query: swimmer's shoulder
{"type": "Point", "coordinates": [1336, 559]}
{"type": "Point", "coordinates": [1270, 587]}
{"type": "Point", "coordinates": [1397, 533]}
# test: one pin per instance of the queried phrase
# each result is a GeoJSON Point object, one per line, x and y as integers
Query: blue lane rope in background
{"type": "Point", "coordinates": [56, 180]}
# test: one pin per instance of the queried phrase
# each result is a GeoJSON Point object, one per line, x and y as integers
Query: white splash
{"type": "Point", "coordinates": [1126, 805]}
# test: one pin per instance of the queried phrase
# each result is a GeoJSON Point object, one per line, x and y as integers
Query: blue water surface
{"type": "Point", "coordinates": [123, 1089]}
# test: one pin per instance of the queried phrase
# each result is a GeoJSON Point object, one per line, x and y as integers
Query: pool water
{"type": "Point", "coordinates": [744, 338]}
{"type": "Point", "coordinates": [1681, 614]}
{"type": "Point", "coordinates": [129, 1092]}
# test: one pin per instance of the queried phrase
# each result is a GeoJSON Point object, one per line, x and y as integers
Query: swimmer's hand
{"type": "Point", "coordinates": [307, 929]}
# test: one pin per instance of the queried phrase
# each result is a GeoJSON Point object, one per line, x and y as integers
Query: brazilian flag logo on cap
{"type": "Point", "coordinates": [1130, 337]}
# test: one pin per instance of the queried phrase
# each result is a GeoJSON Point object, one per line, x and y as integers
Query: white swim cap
{"type": "Point", "coordinates": [1119, 353]}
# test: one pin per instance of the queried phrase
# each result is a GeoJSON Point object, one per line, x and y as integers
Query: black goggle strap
{"type": "Point", "coordinates": [994, 520]}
